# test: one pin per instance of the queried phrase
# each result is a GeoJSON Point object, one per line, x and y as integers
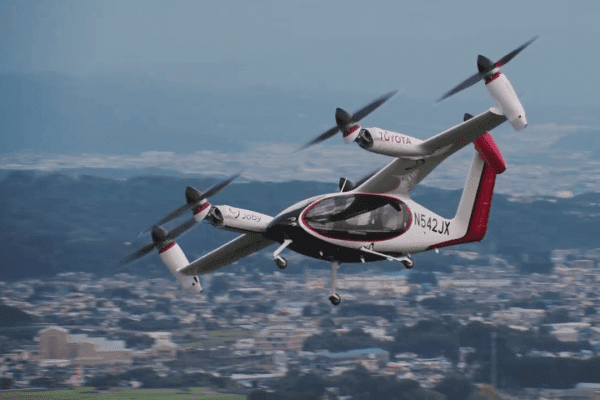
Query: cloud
{"type": "Point", "coordinates": [558, 128]}
{"type": "Point", "coordinates": [530, 172]}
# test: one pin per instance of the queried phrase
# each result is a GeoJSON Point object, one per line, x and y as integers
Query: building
{"type": "Point", "coordinates": [282, 337]}
{"type": "Point", "coordinates": [57, 344]}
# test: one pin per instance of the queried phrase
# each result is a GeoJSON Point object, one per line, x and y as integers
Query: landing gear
{"type": "Point", "coordinates": [280, 261]}
{"type": "Point", "coordinates": [408, 262]}
{"type": "Point", "coordinates": [335, 299]}
{"type": "Point", "coordinates": [333, 296]}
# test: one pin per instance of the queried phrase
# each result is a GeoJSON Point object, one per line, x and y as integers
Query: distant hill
{"type": "Point", "coordinates": [56, 223]}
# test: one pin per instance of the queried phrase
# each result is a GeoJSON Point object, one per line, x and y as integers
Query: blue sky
{"type": "Point", "coordinates": [425, 47]}
{"type": "Point", "coordinates": [340, 53]}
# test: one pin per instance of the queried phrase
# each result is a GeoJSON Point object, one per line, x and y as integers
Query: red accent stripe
{"type": "Point", "coordinates": [494, 164]}
{"type": "Point", "coordinates": [492, 78]}
{"type": "Point", "coordinates": [481, 210]}
{"type": "Point", "coordinates": [166, 248]}
{"type": "Point", "coordinates": [490, 153]}
{"type": "Point", "coordinates": [200, 209]}
{"type": "Point", "coordinates": [351, 131]}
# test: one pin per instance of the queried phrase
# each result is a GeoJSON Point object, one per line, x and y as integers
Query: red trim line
{"type": "Point", "coordinates": [481, 210]}
{"type": "Point", "coordinates": [494, 164]}
{"type": "Point", "coordinates": [166, 248]}
{"type": "Point", "coordinates": [492, 78]}
{"type": "Point", "coordinates": [304, 223]}
{"type": "Point", "coordinates": [490, 153]}
{"type": "Point", "coordinates": [200, 209]}
{"type": "Point", "coordinates": [351, 131]}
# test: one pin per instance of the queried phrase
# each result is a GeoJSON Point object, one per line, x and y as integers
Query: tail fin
{"type": "Point", "coordinates": [475, 203]}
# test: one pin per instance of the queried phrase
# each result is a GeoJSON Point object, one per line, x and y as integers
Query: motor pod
{"type": "Point", "coordinates": [238, 219]}
{"type": "Point", "coordinates": [351, 134]}
{"type": "Point", "coordinates": [389, 143]}
{"type": "Point", "coordinates": [349, 128]}
{"type": "Point", "coordinates": [507, 100]}
{"type": "Point", "coordinates": [172, 256]}
{"type": "Point", "coordinates": [201, 211]}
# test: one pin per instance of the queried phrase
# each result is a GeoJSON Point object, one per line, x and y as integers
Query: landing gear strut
{"type": "Point", "coordinates": [280, 261]}
{"type": "Point", "coordinates": [406, 260]}
{"type": "Point", "coordinates": [333, 296]}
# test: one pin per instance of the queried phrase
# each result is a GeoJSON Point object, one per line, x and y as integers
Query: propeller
{"type": "Point", "coordinates": [486, 67]}
{"type": "Point", "coordinates": [161, 239]}
{"type": "Point", "coordinates": [347, 122]}
{"type": "Point", "coordinates": [194, 198]}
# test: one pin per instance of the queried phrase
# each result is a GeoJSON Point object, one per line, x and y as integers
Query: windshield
{"type": "Point", "coordinates": [358, 217]}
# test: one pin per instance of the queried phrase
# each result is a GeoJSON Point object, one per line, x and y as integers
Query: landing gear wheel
{"type": "Point", "coordinates": [335, 299]}
{"type": "Point", "coordinates": [408, 263]}
{"type": "Point", "coordinates": [281, 262]}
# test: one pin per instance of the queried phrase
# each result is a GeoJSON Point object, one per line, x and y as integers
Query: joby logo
{"type": "Point", "coordinates": [234, 211]}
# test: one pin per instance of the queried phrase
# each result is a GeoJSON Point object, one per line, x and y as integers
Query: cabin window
{"type": "Point", "coordinates": [361, 217]}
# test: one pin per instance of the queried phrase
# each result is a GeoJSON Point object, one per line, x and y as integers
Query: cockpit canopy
{"type": "Point", "coordinates": [361, 217]}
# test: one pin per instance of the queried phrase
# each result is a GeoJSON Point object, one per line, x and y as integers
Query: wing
{"type": "Point", "coordinates": [404, 173]}
{"type": "Point", "coordinates": [241, 246]}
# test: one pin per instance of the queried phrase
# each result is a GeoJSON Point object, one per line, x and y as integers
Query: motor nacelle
{"type": "Point", "coordinates": [506, 98]}
{"type": "Point", "coordinates": [389, 143]}
{"type": "Point", "coordinates": [173, 257]}
{"type": "Point", "coordinates": [201, 211]}
{"type": "Point", "coordinates": [239, 219]}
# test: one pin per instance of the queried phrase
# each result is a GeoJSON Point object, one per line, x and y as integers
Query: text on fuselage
{"type": "Point", "coordinates": [393, 137]}
{"type": "Point", "coordinates": [442, 227]}
{"type": "Point", "coordinates": [250, 217]}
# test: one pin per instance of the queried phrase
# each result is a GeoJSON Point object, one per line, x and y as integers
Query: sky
{"type": "Point", "coordinates": [352, 46]}
{"type": "Point", "coordinates": [425, 47]}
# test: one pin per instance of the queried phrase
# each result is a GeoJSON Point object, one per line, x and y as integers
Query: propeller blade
{"type": "Point", "coordinates": [193, 197]}
{"type": "Point", "coordinates": [372, 106]}
{"type": "Point", "coordinates": [138, 254]}
{"type": "Point", "coordinates": [180, 229]}
{"type": "Point", "coordinates": [175, 214]}
{"type": "Point", "coordinates": [513, 53]}
{"type": "Point", "coordinates": [324, 136]}
{"type": "Point", "coordinates": [357, 116]}
{"type": "Point", "coordinates": [485, 66]}
{"type": "Point", "coordinates": [220, 186]}
{"type": "Point", "coordinates": [470, 81]}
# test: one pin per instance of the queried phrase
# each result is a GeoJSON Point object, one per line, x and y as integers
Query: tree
{"type": "Point", "coordinates": [485, 392]}
{"type": "Point", "coordinates": [558, 316]}
{"type": "Point", "coordinates": [5, 383]}
{"type": "Point", "coordinates": [455, 387]}
{"type": "Point", "coordinates": [257, 395]}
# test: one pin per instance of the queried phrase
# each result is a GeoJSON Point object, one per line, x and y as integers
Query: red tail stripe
{"type": "Point", "coordinates": [493, 164]}
{"type": "Point", "coordinates": [490, 153]}
{"type": "Point", "coordinates": [481, 210]}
